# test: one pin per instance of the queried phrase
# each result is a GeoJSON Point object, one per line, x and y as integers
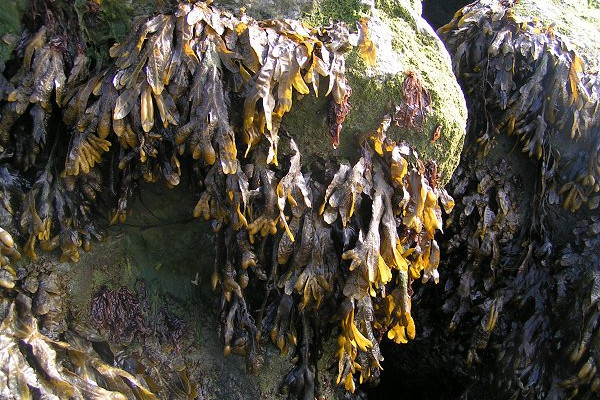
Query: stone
{"type": "Point", "coordinates": [574, 19]}
{"type": "Point", "coordinates": [404, 42]}
{"type": "Point", "coordinates": [546, 254]}
{"type": "Point", "coordinates": [10, 26]}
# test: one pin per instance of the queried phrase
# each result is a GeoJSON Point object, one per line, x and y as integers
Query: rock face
{"type": "Point", "coordinates": [519, 275]}
{"type": "Point", "coordinates": [178, 278]}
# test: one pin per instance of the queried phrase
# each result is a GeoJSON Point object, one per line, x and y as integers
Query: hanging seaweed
{"type": "Point", "coordinates": [535, 86]}
{"type": "Point", "coordinates": [524, 280]}
{"type": "Point", "coordinates": [305, 268]}
{"type": "Point", "coordinates": [43, 357]}
{"type": "Point", "coordinates": [182, 91]}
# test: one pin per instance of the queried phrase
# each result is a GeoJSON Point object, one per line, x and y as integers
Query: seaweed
{"type": "Point", "coordinates": [524, 279]}
{"type": "Point", "coordinates": [182, 91]}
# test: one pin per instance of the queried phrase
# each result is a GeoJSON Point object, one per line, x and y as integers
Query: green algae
{"type": "Point", "coordinates": [10, 25]}
{"type": "Point", "coordinates": [348, 11]}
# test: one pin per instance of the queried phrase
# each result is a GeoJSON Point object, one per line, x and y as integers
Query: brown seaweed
{"type": "Point", "coordinates": [165, 103]}
{"type": "Point", "coordinates": [525, 279]}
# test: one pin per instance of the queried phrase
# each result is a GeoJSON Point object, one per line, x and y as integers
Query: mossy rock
{"type": "Point", "coordinates": [405, 42]}
{"type": "Point", "coordinates": [10, 25]}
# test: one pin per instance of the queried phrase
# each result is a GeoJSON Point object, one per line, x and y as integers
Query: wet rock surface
{"type": "Point", "coordinates": [139, 302]}
{"type": "Point", "coordinates": [517, 312]}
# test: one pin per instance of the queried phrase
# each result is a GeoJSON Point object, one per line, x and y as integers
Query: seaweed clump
{"type": "Point", "coordinates": [524, 290]}
{"type": "Point", "coordinates": [81, 365]}
{"type": "Point", "coordinates": [297, 249]}
{"type": "Point", "coordinates": [29, 355]}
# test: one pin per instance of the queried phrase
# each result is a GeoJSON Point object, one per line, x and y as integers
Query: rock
{"type": "Point", "coordinates": [10, 26]}
{"type": "Point", "coordinates": [576, 20]}
{"type": "Point", "coordinates": [404, 42]}
{"type": "Point", "coordinates": [159, 245]}
{"type": "Point", "coordinates": [520, 276]}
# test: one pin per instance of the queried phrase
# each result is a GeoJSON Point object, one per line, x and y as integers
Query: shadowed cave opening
{"type": "Point", "coordinates": [438, 12]}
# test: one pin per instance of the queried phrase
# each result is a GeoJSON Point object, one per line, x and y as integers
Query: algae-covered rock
{"type": "Point", "coordinates": [152, 262]}
{"type": "Point", "coordinates": [579, 21]}
{"type": "Point", "coordinates": [10, 25]}
{"type": "Point", "coordinates": [404, 43]}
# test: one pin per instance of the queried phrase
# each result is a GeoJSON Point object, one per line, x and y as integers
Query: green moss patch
{"type": "Point", "coordinates": [375, 92]}
{"type": "Point", "coordinates": [10, 25]}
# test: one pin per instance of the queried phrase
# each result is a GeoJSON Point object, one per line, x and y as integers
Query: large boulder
{"type": "Point", "coordinates": [160, 243]}
{"type": "Point", "coordinates": [404, 43]}
{"type": "Point", "coordinates": [519, 309]}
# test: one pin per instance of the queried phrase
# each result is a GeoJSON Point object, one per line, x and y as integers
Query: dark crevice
{"type": "Point", "coordinates": [418, 369]}
{"type": "Point", "coordinates": [440, 12]}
